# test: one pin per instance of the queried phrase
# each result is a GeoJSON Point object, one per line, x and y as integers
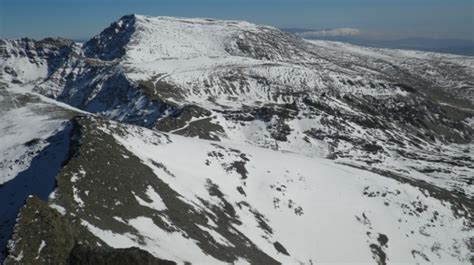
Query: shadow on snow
{"type": "Point", "coordinates": [38, 180]}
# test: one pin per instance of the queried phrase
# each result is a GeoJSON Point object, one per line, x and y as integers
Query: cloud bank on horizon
{"type": "Point", "coordinates": [385, 40]}
{"type": "Point", "coordinates": [330, 33]}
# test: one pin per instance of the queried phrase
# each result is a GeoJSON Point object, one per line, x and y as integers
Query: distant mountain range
{"type": "Point", "coordinates": [353, 36]}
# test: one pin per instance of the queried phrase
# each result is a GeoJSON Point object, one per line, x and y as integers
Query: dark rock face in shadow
{"type": "Point", "coordinates": [109, 45]}
{"type": "Point", "coordinates": [38, 180]}
{"type": "Point", "coordinates": [83, 255]}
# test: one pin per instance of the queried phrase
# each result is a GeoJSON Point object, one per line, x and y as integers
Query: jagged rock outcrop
{"type": "Point", "coordinates": [44, 236]}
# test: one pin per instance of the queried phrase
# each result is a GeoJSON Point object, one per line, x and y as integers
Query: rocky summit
{"type": "Point", "coordinates": [169, 140]}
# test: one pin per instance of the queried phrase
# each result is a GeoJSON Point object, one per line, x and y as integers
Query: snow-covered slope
{"type": "Point", "coordinates": [259, 85]}
{"type": "Point", "coordinates": [347, 142]}
{"type": "Point", "coordinates": [136, 38]}
{"type": "Point", "coordinates": [295, 201]}
{"type": "Point", "coordinates": [204, 202]}
{"type": "Point", "coordinates": [436, 69]}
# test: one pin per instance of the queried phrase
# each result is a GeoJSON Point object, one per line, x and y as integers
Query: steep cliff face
{"type": "Point", "coordinates": [198, 140]}
{"type": "Point", "coordinates": [111, 43]}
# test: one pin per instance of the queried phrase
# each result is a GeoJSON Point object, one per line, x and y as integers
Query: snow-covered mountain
{"type": "Point", "coordinates": [166, 140]}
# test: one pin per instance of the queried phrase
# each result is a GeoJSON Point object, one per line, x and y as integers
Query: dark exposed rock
{"type": "Point", "coordinates": [85, 255]}
{"type": "Point", "coordinates": [379, 255]}
{"type": "Point", "coordinates": [372, 148]}
{"type": "Point", "coordinates": [383, 240]}
{"type": "Point", "coordinates": [280, 248]}
{"type": "Point", "coordinates": [180, 122]}
{"type": "Point", "coordinates": [109, 45]}
{"type": "Point", "coordinates": [43, 236]}
{"type": "Point", "coordinates": [239, 167]}
{"type": "Point", "coordinates": [32, 142]}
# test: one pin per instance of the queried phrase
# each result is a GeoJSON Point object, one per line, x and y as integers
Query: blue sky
{"type": "Point", "coordinates": [81, 19]}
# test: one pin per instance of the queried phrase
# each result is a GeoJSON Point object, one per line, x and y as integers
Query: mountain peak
{"type": "Point", "coordinates": [110, 43]}
{"type": "Point", "coordinates": [141, 38]}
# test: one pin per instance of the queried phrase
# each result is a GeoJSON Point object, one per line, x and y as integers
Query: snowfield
{"type": "Point", "coordinates": [25, 128]}
{"type": "Point", "coordinates": [315, 208]}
